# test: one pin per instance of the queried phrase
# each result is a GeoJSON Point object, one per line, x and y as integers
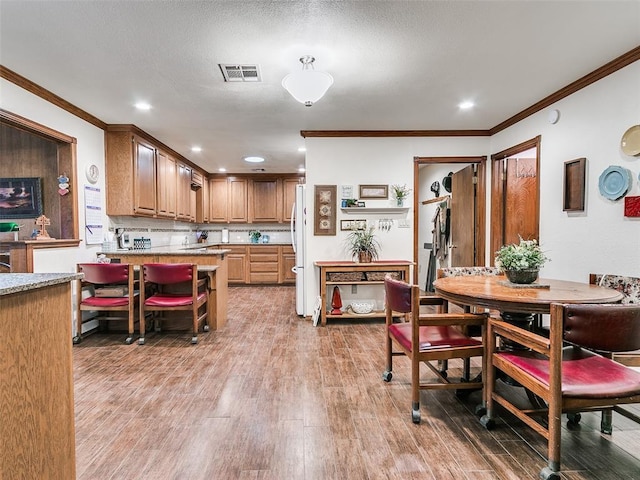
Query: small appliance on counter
{"type": "Point", "coordinates": [124, 241]}
{"type": "Point", "coordinates": [225, 235]}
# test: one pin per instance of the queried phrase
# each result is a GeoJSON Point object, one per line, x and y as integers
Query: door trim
{"type": "Point", "coordinates": [481, 202]}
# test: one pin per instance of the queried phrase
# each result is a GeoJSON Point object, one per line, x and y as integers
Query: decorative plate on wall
{"type": "Point", "coordinates": [630, 142]}
{"type": "Point", "coordinates": [614, 182]}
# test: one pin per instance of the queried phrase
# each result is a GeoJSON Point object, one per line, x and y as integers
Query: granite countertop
{"type": "Point", "coordinates": [195, 249]}
{"type": "Point", "coordinates": [22, 282]}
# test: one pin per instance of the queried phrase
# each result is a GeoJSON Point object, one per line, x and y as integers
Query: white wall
{"type": "Point", "coordinates": [592, 122]}
{"type": "Point", "coordinates": [358, 161]}
{"type": "Point", "coordinates": [90, 150]}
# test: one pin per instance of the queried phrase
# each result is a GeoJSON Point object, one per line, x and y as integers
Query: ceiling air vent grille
{"type": "Point", "coordinates": [240, 73]}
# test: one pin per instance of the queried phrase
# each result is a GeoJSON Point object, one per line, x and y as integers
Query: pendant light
{"type": "Point", "coordinates": [307, 85]}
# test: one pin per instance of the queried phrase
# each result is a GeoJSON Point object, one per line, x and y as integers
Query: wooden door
{"type": "Point", "coordinates": [144, 177]}
{"type": "Point", "coordinates": [519, 189]}
{"type": "Point", "coordinates": [515, 194]}
{"type": "Point", "coordinates": [463, 217]}
{"type": "Point", "coordinates": [288, 261]}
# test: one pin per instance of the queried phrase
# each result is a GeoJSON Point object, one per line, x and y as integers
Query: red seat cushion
{"type": "Point", "coordinates": [169, 300]}
{"type": "Point", "coordinates": [432, 337]}
{"type": "Point", "coordinates": [584, 373]}
{"type": "Point", "coordinates": [105, 302]}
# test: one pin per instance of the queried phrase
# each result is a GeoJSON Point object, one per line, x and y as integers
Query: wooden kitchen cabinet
{"type": "Point", "coordinates": [237, 261]}
{"type": "Point", "coordinates": [264, 264]}
{"type": "Point", "coordinates": [265, 200]}
{"type": "Point", "coordinates": [203, 202]}
{"type": "Point", "coordinates": [130, 174]}
{"type": "Point", "coordinates": [287, 262]}
{"type": "Point", "coordinates": [185, 203]}
{"type": "Point", "coordinates": [166, 171]}
{"type": "Point", "coordinates": [228, 200]}
{"type": "Point", "coordinates": [289, 196]}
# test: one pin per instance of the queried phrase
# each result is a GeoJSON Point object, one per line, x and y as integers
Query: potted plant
{"type": "Point", "coordinates": [254, 236]}
{"type": "Point", "coordinates": [363, 245]}
{"type": "Point", "coordinates": [521, 262]}
{"type": "Point", "coordinates": [400, 192]}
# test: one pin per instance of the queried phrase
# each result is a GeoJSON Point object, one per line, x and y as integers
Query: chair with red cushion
{"type": "Point", "coordinates": [437, 336]}
{"type": "Point", "coordinates": [173, 287]}
{"type": "Point", "coordinates": [113, 289]}
{"type": "Point", "coordinates": [564, 369]}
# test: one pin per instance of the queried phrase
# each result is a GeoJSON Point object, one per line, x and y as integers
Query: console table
{"type": "Point", "coordinates": [352, 273]}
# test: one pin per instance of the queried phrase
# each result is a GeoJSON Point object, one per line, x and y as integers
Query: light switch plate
{"type": "Point", "coordinates": [404, 223]}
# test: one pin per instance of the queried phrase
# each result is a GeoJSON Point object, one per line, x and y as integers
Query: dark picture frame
{"type": "Point", "coordinates": [574, 185]}
{"type": "Point", "coordinates": [324, 216]}
{"type": "Point", "coordinates": [374, 191]}
{"type": "Point", "coordinates": [20, 197]}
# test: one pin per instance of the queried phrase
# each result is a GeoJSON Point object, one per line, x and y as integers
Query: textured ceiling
{"type": "Point", "coordinates": [397, 65]}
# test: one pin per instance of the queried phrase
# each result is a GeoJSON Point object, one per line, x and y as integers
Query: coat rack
{"type": "Point", "coordinates": [436, 199]}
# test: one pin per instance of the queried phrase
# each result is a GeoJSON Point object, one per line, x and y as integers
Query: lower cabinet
{"type": "Point", "coordinates": [260, 264]}
{"type": "Point", "coordinates": [264, 264]}
{"type": "Point", "coordinates": [288, 261]}
{"type": "Point", "coordinates": [237, 262]}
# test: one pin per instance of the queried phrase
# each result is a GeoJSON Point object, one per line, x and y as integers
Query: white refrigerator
{"type": "Point", "coordinates": [298, 222]}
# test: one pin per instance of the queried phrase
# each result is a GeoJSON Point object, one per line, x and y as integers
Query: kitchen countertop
{"type": "Point", "coordinates": [21, 282]}
{"type": "Point", "coordinates": [195, 249]}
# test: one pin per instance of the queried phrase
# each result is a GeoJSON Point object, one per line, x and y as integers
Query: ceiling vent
{"type": "Point", "coordinates": [240, 73]}
{"type": "Point", "coordinates": [258, 170]}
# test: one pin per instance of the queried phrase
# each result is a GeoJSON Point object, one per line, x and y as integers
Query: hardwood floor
{"type": "Point", "coordinates": [272, 397]}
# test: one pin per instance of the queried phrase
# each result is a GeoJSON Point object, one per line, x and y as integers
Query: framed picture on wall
{"type": "Point", "coordinates": [324, 211]}
{"type": "Point", "coordinates": [574, 185]}
{"type": "Point", "coordinates": [20, 197]}
{"type": "Point", "coordinates": [374, 191]}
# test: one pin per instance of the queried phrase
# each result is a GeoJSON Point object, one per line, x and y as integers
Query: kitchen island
{"type": "Point", "coordinates": [202, 254]}
{"type": "Point", "coordinates": [37, 434]}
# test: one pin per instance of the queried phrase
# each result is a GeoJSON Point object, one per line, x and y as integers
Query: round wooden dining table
{"type": "Point", "coordinates": [496, 293]}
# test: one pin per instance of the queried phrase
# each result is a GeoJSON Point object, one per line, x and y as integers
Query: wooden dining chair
{"type": "Point", "coordinates": [564, 369]}
{"type": "Point", "coordinates": [113, 294]}
{"type": "Point", "coordinates": [425, 338]}
{"type": "Point", "coordinates": [173, 287]}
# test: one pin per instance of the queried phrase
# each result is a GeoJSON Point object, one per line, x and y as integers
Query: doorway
{"type": "Point", "coordinates": [467, 212]}
{"type": "Point", "coordinates": [515, 194]}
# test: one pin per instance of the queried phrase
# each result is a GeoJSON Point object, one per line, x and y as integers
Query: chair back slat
{"type": "Point", "coordinates": [105, 273]}
{"type": "Point", "coordinates": [398, 295]}
{"type": "Point", "coordinates": [604, 328]}
{"type": "Point", "coordinates": [167, 273]}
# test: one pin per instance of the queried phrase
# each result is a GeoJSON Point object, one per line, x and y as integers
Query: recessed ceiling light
{"type": "Point", "coordinates": [466, 105]}
{"type": "Point", "coordinates": [302, 149]}
{"type": "Point", "coordinates": [196, 149]}
{"type": "Point", "coordinates": [143, 106]}
{"type": "Point", "coordinates": [254, 159]}
{"type": "Point", "coordinates": [222, 169]}
{"type": "Point", "coordinates": [302, 169]}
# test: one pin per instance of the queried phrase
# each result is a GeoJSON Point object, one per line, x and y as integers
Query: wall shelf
{"type": "Point", "coordinates": [361, 210]}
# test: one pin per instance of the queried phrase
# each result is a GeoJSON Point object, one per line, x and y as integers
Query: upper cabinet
{"type": "Point", "coordinates": [130, 174]}
{"type": "Point", "coordinates": [252, 199]}
{"type": "Point", "coordinates": [144, 179]}
{"type": "Point", "coordinates": [166, 169]}
{"type": "Point", "coordinates": [265, 200]}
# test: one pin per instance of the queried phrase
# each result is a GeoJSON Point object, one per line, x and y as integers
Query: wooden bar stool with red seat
{"type": "Point", "coordinates": [113, 290]}
{"type": "Point", "coordinates": [173, 287]}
